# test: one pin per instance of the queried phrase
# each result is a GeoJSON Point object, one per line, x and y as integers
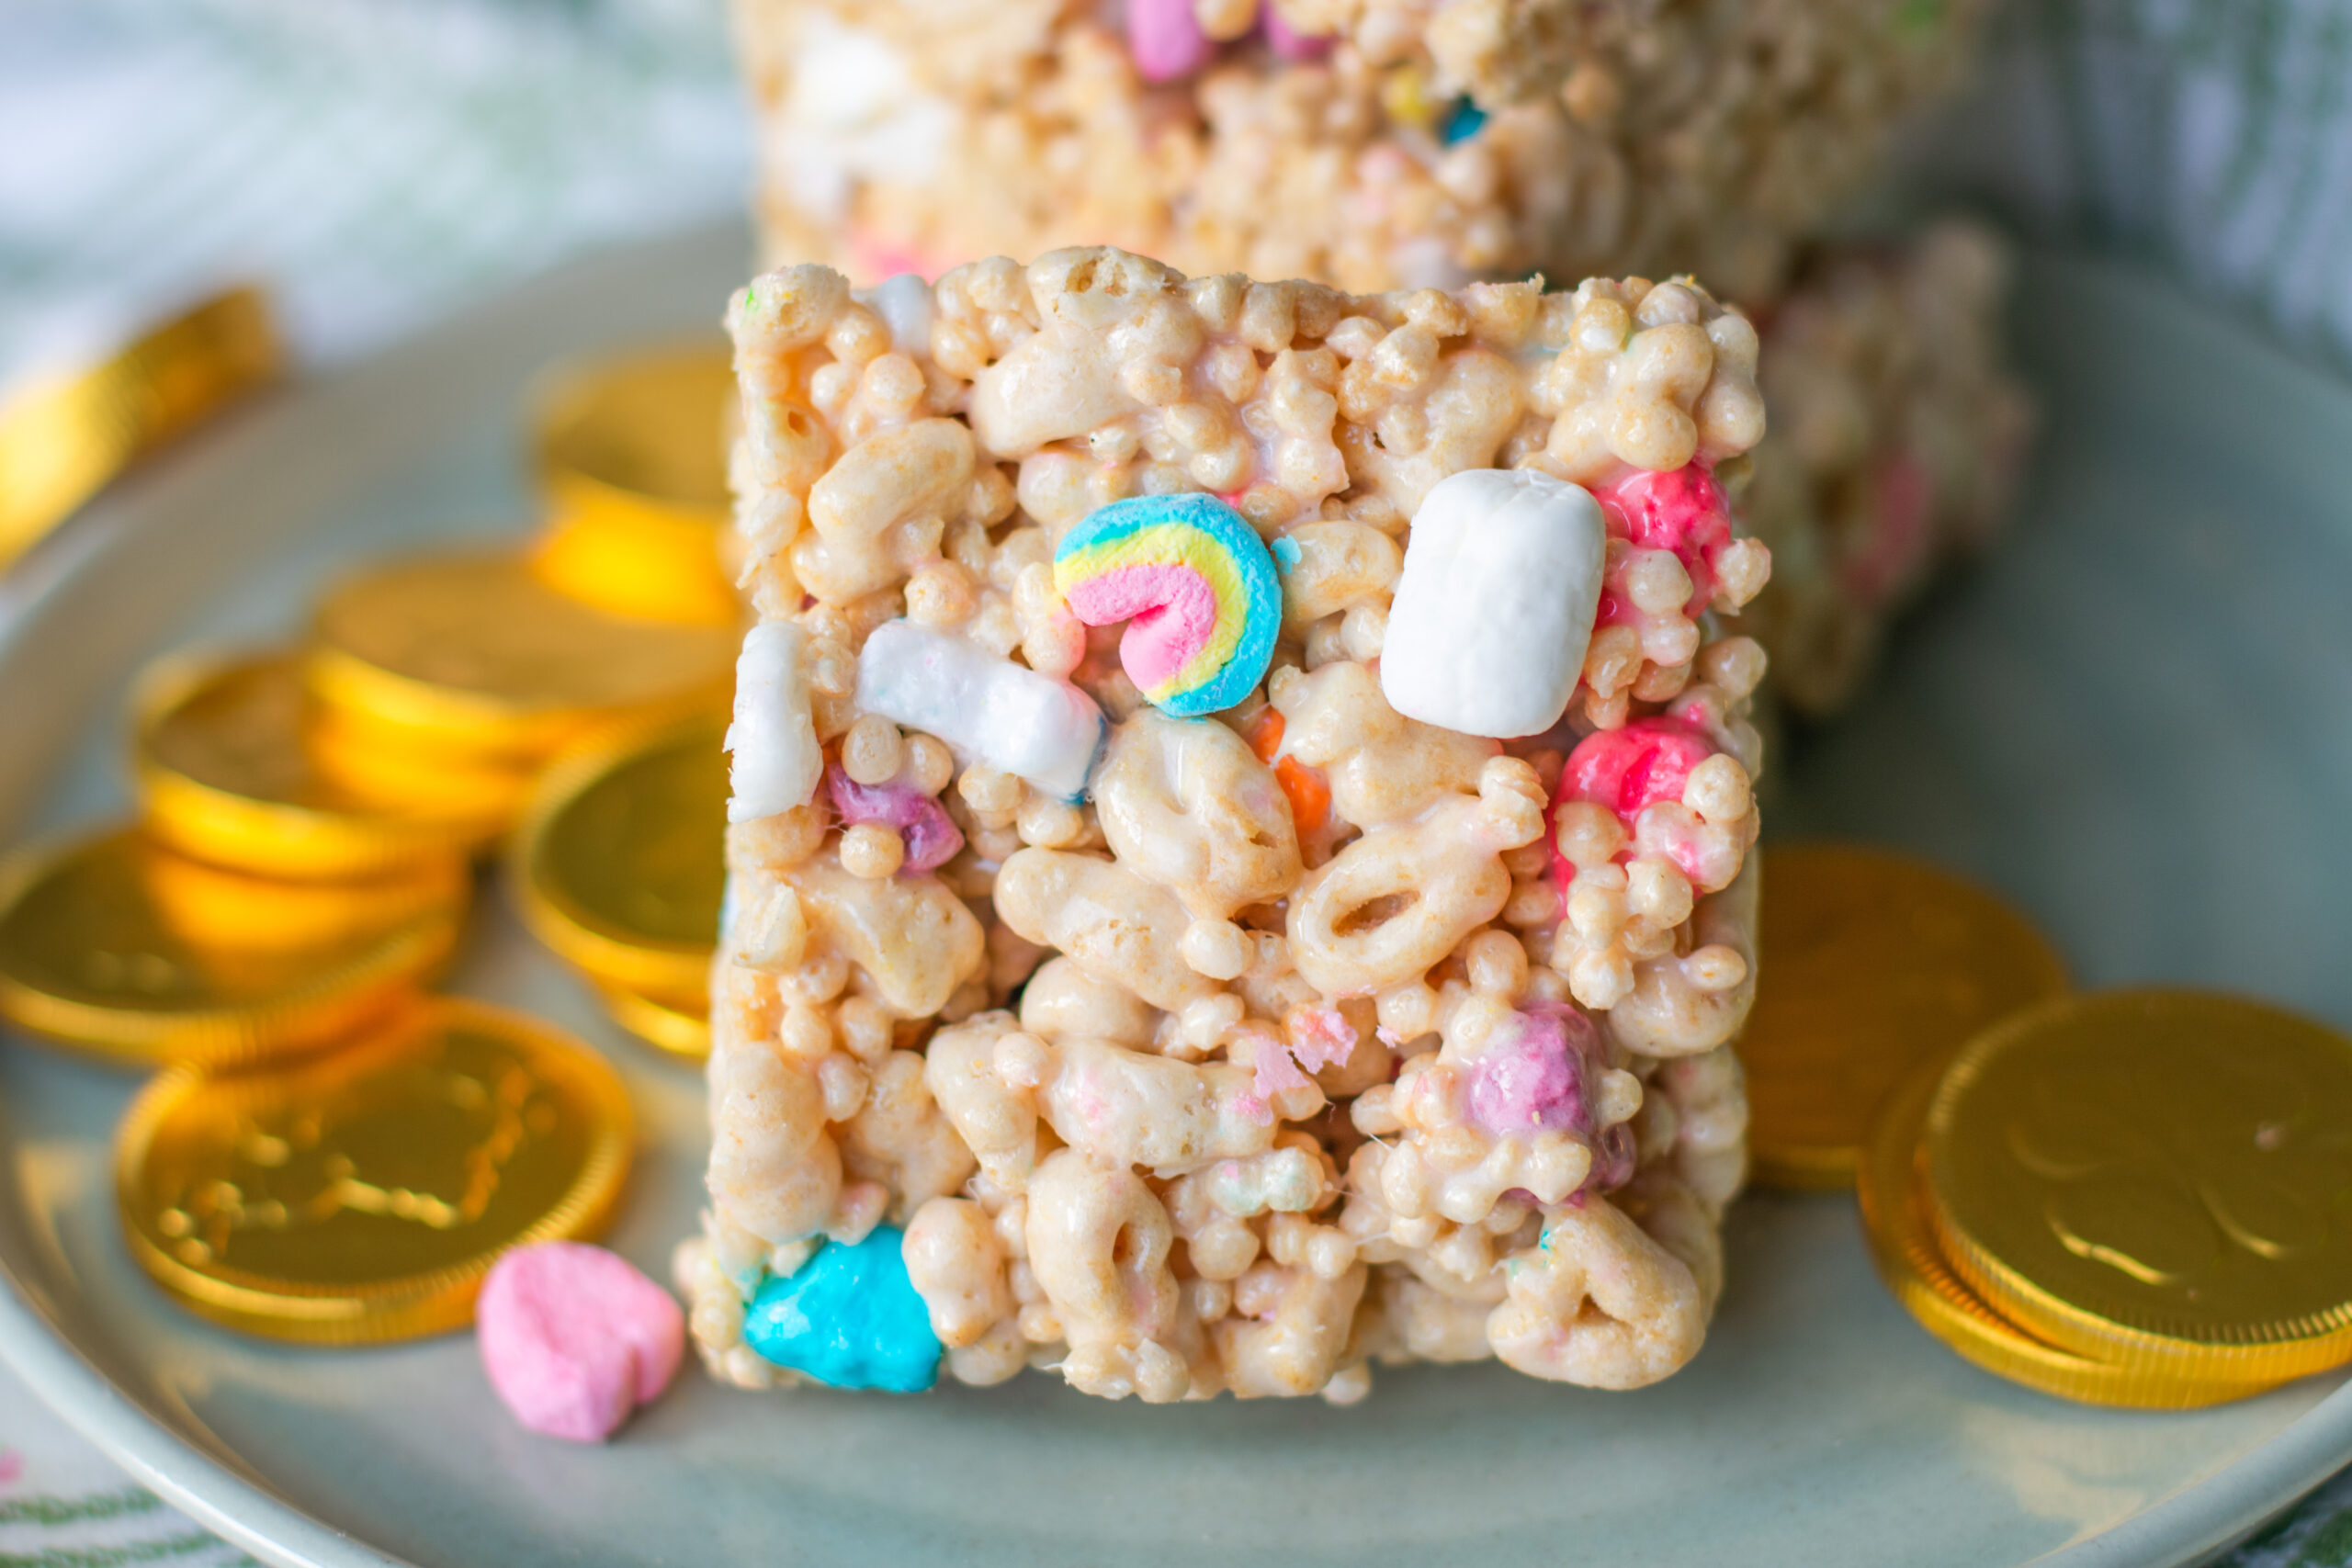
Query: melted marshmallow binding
{"type": "Point", "coordinates": [1184, 1052]}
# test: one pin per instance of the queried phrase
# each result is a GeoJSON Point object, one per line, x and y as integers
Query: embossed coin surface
{"type": "Point", "coordinates": [362, 1195]}
{"type": "Point", "coordinates": [1869, 963]}
{"type": "Point", "coordinates": [2160, 1178]}
{"type": "Point", "coordinates": [478, 650]}
{"type": "Point", "coordinates": [1903, 1249]}
{"type": "Point", "coordinates": [621, 863]}
{"type": "Point", "coordinates": [117, 944]}
{"type": "Point", "coordinates": [229, 769]}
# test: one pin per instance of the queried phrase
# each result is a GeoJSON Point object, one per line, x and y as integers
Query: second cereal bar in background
{"type": "Point", "coordinates": [1368, 143]}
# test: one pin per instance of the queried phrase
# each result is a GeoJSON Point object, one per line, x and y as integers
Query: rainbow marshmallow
{"type": "Point", "coordinates": [1197, 587]}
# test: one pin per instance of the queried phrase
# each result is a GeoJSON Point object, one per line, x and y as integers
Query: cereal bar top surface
{"type": "Point", "coordinates": [1312, 709]}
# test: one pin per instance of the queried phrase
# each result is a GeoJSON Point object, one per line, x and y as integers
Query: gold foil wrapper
{"type": "Point", "coordinates": [477, 652]}
{"type": "Point", "coordinates": [233, 766]}
{"type": "Point", "coordinates": [1903, 1248]}
{"type": "Point", "coordinates": [1869, 963]}
{"type": "Point", "coordinates": [632, 464]}
{"type": "Point", "coordinates": [620, 865]}
{"type": "Point", "coordinates": [121, 945]}
{"type": "Point", "coordinates": [62, 438]}
{"type": "Point", "coordinates": [2157, 1178]}
{"type": "Point", "coordinates": [364, 1195]}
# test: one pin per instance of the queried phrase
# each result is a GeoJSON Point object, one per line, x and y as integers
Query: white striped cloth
{"type": "Point", "coordinates": [2216, 133]}
{"type": "Point", "coordinates": [372, 161]}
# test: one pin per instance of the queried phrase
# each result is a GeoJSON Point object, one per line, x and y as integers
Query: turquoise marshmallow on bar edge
{"type": "Point", "coordinates": [849, 1317]}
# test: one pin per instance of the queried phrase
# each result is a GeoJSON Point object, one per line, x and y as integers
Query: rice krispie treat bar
{"type": "Point", "coordinates": [1898, 432]}
{"type": "Point", "coordinates": [1370, 143]}
{"type": "Point", "coordinates": [1239, 848]}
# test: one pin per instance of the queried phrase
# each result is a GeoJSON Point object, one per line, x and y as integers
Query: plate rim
{"type": "Point", "coordinates": [2197, 1522]}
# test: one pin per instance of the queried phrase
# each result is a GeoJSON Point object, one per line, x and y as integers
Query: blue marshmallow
{"type": "Point", "coordinates": [850, 1317]}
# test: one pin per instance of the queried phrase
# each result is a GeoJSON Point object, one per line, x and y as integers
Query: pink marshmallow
{"type": "Point", "coordinates": [1682, 510]}
{"type": "Point", "coordinates": [1635, 766]}
{"type": "Point", "coordinates": [1320, 1037]}
{"type": "Point", "coordinates": [1290, 45]}
{"type": "Point", "coordinates": [1628, 770]}
{"type": "Point", "coordinates": [573, 1338]}
{"type": "Point", "coordinates": [1171, 613]}
{"type": "Point", "coordinates": [1165, 40]}
{"type": "Point", "coordinates": [1902, 531]}
{"type": "Point", "coordinates": [1540, 1074]}
{"type": "Point", "coordinates": [931, 836]}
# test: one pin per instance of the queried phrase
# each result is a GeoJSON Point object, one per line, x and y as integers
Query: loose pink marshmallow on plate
{"type": "Point", "coordinates": [574, 1338]}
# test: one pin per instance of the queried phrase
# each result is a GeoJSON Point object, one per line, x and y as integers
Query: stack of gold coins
{"type": "Point", "coordinates": [2132, 1197]}
{"type": "Point", "coordinates": [338, 1155]}
{"type": "Point", "coordinates": [236, 763]}
{"type": "Point", "coordinates": [473, 665]}
{"type": "Point", "coordinates": [258, 908]}
{"type": "Point", "coordinates": [449, 683]}
{"type": "Point", "coordinates": [620, 867]}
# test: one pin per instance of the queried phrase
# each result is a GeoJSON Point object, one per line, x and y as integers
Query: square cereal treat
{"type": "Point", "coordinates": [1238, 852]}
{"type": "Point", "coordinates": [1370, 143]}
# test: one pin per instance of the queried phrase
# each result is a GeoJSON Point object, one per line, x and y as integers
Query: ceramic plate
{"type": "Point", "coordinates": [2134, 719]}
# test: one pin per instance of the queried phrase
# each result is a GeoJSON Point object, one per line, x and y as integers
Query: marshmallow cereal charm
{"type": "Point", "coordinates": [1494, 612]}
{"type": "Point", "coordinates": [574, 1338]}
{"type": "Point", "coordinates": [1185, 974]}
{"type": "Point", "coordinates": [1195, 586]}
{"type": "Point", "coordinates": [778, 761]}
{"type": "Point", "coordinates": [1028, 725]}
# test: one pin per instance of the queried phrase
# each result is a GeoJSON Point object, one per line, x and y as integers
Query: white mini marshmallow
{"type": "Point", "coordinates": [853, 111]}
{"type": "Point", "coordinates": [904, 303]}
{"type": "Point", "coordinates": [1006, 715]}
{"type": "Point", "coordinates": [1495, 608]}
{"type": "Point", "coordinates": [774, 739]}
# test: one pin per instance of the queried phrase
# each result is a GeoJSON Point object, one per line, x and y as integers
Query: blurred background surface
{"type": "Point", "coordinates": [377, 161]}
{"type": "Point", "coordinates": [373, 162]}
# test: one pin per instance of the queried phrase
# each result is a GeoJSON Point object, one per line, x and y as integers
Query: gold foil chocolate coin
{"type": "Point", "coordinates": [1903, 1250]}
{"type": "Point", "coordinates": [228, 768]}
{"type": "Point", "coordinates": [620, 866]}
{"type": "Point", "coordinates": [1869, 963]}
{"type": "Point", "coordinates": [63, 436]}
{"type": "Point", "coordinates": [477, 651]}
{"type": "Point", "coordinates": [2157, 1178]}
{"type": "Point", "coordinates": [633, 467]}
{"type": "Point", "coordinates": [676, 1024]}
{"type": "Point", "coordinates": [363, 1195]}
{"type": "Point", "coordinates": [392, 768]}
{"type": "Point", "coordinates": [117, 944]}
